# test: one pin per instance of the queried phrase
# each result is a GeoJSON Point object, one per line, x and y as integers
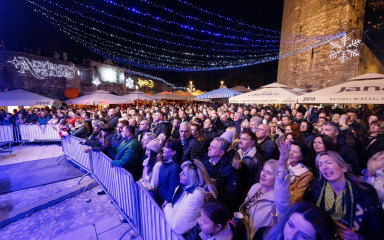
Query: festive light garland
{"type": "Point", "coordinates": [182, 60]}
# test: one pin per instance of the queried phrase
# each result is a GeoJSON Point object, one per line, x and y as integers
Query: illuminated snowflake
{"type": "Point", "coordinates": [129, 83]}
{"type": "Point", "coordinates": [96, 82]}
{"type": "Point", "coordinates": [342, 50]}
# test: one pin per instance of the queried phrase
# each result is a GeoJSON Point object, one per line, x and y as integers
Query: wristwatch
{"type": "Point", "coordinates": [281, 173]}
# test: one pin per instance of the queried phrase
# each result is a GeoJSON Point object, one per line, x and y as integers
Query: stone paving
{"type": "Point", "coordinates": [75, 218]}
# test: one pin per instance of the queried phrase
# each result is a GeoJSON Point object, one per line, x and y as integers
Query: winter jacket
{"type": "Point", "coordinates": [80, 132]}
{"type": "Point", "coordinates": [252, 164]}
{"type": "Point", "coordinates": [169, 179]}
{"type": "Point", "coordinates": [373, 145]}
{"type": "Point", "coordinates": [160, 127]}
{"type": "Point", "coordinates": [196, 234]}
{"type": "Point", "coordinates": [378, 183]}
{"type": "Point", "coordinates": [224, 126]}
{"type": "Point", "coordinates": [115, 142]}
{"type": "Point", "coordinates": [348, 153]}
{"type": "Point", "coordinates": [227, 181]}
{"type": "Point", "coordinates": [113, 120]}
{"type": "Point", "coordinates": [95, 143]}
{"type": "Point", "coordinates": [128, 157]}
{"type": "Point", "coordinates": [151, 181]}
{"type": "Point", "coordinates": [237, 125]}
{"type": "Point", "coordinates": [43, 121]}
{"type": "Point", "coordinates": [183, 214]}
{"type": "Point", "coordinates": [269, 149]}
{"type": "Point", "coordinates": [368, 215]}
{"type": "Point", "coordinates": [300, 178]}
{"type": "Point", "coordinates": [191, 149]}
{"type": "Point", "coordinates": [262, 211]}
{"type": "Point", "coordinates": [208, 137]}
{"type": "Point", "coordinates": [31, 119]}
{"type": "Point", "coordinates": [308, 138]}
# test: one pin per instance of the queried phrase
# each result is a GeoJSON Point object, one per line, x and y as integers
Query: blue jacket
{"type": "Point", "coordinates": [128, 156]}
{"type": "Point", "coordinates": [43, 121]}
{"type": "Point", "coordinates": [169, 179]}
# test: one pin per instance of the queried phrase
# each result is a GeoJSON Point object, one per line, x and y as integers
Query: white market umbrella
{"type": "Point", "coordinates": [219, 93]}
{"type": "Point", "coordinates": [98, 97]}
{"type": "Point", "coordinates": [364, 89]}
{"type": "Point", "coordinates": [168, 96]}
{"type": "Point", "coordinates": [24, 98]}
{"type": "Point", "coordinates": [137, 95]}
{"type": "Point", "coordinates": [267, 95]}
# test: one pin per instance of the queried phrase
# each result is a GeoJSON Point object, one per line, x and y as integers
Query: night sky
{"type": "Point", "coordinates": [20, 25]}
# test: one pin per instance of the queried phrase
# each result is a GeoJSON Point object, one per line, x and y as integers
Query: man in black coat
{"type": "Point", "coordinates": [209, 134]}
{"type": "Point", "coordinates": [175, 128]}
{"type": "Point", "coordinates": [268, 147]}
{"type": "Point", "coordinates": [227, 181]}
{"type": "Point", "coordinates": [159, 126]}
{"type": "Point", "coordinates": [113, 119]}
{"type": "Point", "coordinates": [191, 148]}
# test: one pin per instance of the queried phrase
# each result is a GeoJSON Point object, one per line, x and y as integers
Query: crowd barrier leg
{"type": "Point", "coordinates": [82, 177]}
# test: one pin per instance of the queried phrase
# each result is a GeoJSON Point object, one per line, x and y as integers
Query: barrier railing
{"type": "Point", "coordinates": [131, 199]}
{"type": "Point", "coordinates": [119, 185]}
{"type": "Point", "coordinates": [37, 133]}
{"type": "Point", "coordinates": [153, 222]}
{"type": "Point", "coordinates": [75, 152]}
{"type": "Point", "coordinates": [6, 134]}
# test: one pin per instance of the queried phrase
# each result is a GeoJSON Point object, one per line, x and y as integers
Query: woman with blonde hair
{"type": "Point", "coordinates": [374, 175]}
{"type": "Point", "coordinates": [189, 197]}
{"type": "Point", "coordinates": [235, 139]}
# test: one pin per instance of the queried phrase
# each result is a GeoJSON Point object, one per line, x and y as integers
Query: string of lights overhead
{"type": "Point", "coordinates": [150, 40]}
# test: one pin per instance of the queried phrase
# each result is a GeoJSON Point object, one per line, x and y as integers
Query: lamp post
{"type": "Point", "coordinates": [222, 84]}
{"type": "Point", "coordinates": [190, 87]}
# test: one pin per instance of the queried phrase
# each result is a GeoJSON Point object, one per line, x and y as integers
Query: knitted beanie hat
{"type": "Point", "coordinates": [155, 145]}
{"type": "Point", "coordinates": [227, 136]}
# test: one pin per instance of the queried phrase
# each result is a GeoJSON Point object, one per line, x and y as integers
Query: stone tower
{"type": "Point", "coordinates": [312, 69]}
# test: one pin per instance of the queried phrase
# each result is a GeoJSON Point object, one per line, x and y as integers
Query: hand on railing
{"type": "Point", "coordinates": [88, 149]}
{"type": "Point", "coordinates": [164, 204]}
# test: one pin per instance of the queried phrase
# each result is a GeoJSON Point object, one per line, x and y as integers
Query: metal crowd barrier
{"type": "Point", "coordinates": [73, 150]}
{"type": "Point", "coordinates": [37, 133]}
{"type": "Point", "coordinates": [131, 199]}
{"type": "Point", "coordinates": [153, 225]}
{"type": "Point", "coordinates": [119, 185]}
{"type": "Point", "coordinates": [6, 134]}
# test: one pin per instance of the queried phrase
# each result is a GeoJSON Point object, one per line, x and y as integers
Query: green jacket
{"type": "Point", "coordinates": [128, 156]}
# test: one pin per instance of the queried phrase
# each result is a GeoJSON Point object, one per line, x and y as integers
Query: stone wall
{"type": "Point", "coordinates": [313, 69]}
{"type": "Point", "coordinates": [29, 75]}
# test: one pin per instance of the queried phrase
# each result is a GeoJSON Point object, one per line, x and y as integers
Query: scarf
{"type": "Point", "coordinates": [339, 207]}
{"type": "Point", "coordinates": [250, 152]}
{"type": "Point", "coordinates": [297, 171]}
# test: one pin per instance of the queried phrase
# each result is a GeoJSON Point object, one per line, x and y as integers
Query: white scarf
{"type": "Point", "coordinates": [297, 171]}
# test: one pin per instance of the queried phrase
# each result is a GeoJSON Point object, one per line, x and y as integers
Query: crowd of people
{"type": "Point", "coordinates": [315, 173]}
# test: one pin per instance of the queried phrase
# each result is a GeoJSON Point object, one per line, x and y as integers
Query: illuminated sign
{"type": "Point", "coordinates": [42, 69]}
{"type": "Point", "coordinates": [148, 83]}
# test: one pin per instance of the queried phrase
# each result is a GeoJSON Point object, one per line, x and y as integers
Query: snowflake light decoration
{"type": "Point", "coordinates": [129, 83]}
{"type": "Point", "coordinates": [97, 81]}
{"type": "Point", "coordinates": [342, 50]}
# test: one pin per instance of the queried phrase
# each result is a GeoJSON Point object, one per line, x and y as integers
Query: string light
{"type": "Point", "coordinates": [100, 42]}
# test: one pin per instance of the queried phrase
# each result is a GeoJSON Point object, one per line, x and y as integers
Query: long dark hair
{"type": "Point", "coordinates": [327, 142]}
{"type": "Point", "coordinates": [175, 145]}
{"type": "Point", "coordinates": [217, 212]}
{"type": "Point", "coordinates": [152, 159]}
{"type": "Point", "coordinates": [322, 222]}
{"type": "Point", "coordinates": [308, 160]}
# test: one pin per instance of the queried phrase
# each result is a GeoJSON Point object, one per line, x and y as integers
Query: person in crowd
{"type": "Point", "coordinates": [189, 197]}
{"type": "Point", "coordinates": [212, 224]}
{"type": "Point", "coordinates": [287, 120]}
{"type": "Point", "coordinates": [371, 118]}
{"type": "Point", "coordinates": [113, 119]}
{"type": "Point", "coordinates": [102, 135]}
{"type": "Point", "coordinates": [197, 133]}
{"type": "Point", "coordinates": [191, 148]}
{"type": "Point", "coordinates": [269, 149]}
{"type": "Point", "coordinates": [144, 127]}
{"type": "Point", "coordinates": [299, 117]}
{"type": "Point", "coordinates": [31, 118]}
{"type": "Point", "coordinates": [80, 130]}
{"type": "Point", "coordinates": [374, 143]}
{"type": "Point", "coordinates": [254, 122]}
{"type": "Point", "coordinates": [62, 128]}
{"type": "Point", "coordinates": [374, 174]}
{"type": "Point", "coordinates": [248, 160]}
{"type": "Point", "coordinates": [336, 117]}
{"type": "Point", "coordinates": [158, 125]}
{"type": "Point", "coordinates": [352, 123]}
{"type": "Point", "coordinates": [353, 205]}
{"type": "Point", "coordinates": [152, 164]}
{"type": "Point", "coordinates": [208, 133]}
{"type": "Point", "coordinates": [169, 170]}
{"type": "Point", "coordinates": [323, 143]}
{"type": "Point", "coordinates": [244, 126]}
{"type": "Point", "coordinates": [237, 120]}
{"type": "Point", "coordinates": [293, 136]}
{"type": "Point", "coordinates": [20, 120]}
{"type": "Point", "coordinates": [183, 116]}
{"type": "Point", "coordinates": [234, 141]}
{"type": "Point", "coordinates": [273, 135]}
{"type": "Point", "coordinates": [54, 120]}
{"type": "Point", "coordinates": [128, 153]}
{"type": "Point", "coordinates": [43, 119]}
{"type": "Point", "coordinates": [306, 129]}
{"type": "Point", "coordinates": [303, 221]}
{"type": "Point", "coordinates": [9, 120]}
{"type": "Point", "coordinates": [344, 148]}
{"type": "Point", "coordinates": [218, 164]}
{"type": "Point", "coordinates": [258, 208]}
{"type": "Point", "coordinates": [226, 122]}
{"type": "Point", "coordinates": [175, 128]}
{"type": "Point", "coordinates": [280, 134]}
